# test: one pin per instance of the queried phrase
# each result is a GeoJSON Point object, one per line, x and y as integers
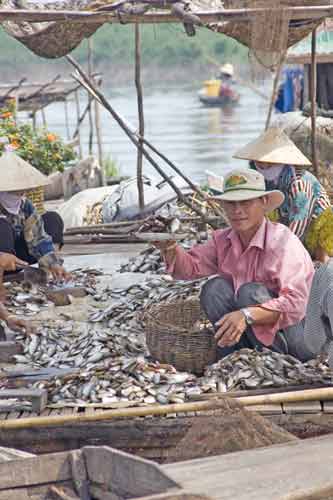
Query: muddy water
{"type": "Point", "coordinates": [194, 137]}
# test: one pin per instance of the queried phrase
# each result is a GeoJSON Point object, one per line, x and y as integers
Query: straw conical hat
{"type": "Point", "coordinates": [228, 69]}
{"type": "Point", "coordinates": [18, 175]}
{"type": "Point", "coordinates": [273, 146]}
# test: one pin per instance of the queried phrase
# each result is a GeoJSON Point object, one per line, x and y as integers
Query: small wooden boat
{"type": "Point", "coordinates": [210, 94]}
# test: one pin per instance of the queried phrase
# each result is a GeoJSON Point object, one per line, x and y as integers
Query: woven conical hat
{"type": "Point", "coordinates": [18, 175]}
{"type": "Point", "coordinates": [273, 146]}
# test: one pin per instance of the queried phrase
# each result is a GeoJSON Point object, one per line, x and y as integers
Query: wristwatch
{"type": "Point", "coordinates": [249, 320]}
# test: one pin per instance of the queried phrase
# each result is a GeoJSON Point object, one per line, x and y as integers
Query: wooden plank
{"type": "Point", "coordinates": [38, 397]}
{"type": "Point", "coordinates": [273, 472]}
{"type": "Point", "coordinates": [21, 494]}
{"type": "Point", "coordinates": [13, 415]}
{"type": "Point", "coordinates": [8, 350]}
{"type": "Point", "coordinates": [178, 495]}
{"type": "Point", "coordinates": [79, 474]}
{"type": "Point", "coordinates": [107, 466]}
{"type": "Point", "coordinates": [266, 409]}
{"type": "Point", "coordinates": [7, 454]}
{"type": "Point", "coordinates": [100, 494]}
{"type": "Point", "coordinates": [61, 493]}
{"type": "Point", "coordinates": [302, 407]}
{"type": "Point", "coordinates": [50, 468]}
{"type": "Point", "coordinates": [328, 406]}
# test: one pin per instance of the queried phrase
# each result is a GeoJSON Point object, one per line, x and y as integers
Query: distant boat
{"type": "Point", "coordinates": [215, 183]}
{"type": "Point", "coordinates": [218, 93]}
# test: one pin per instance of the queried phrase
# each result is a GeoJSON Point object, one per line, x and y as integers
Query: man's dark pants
{"type": "Point", "coordinates": [218, 298]}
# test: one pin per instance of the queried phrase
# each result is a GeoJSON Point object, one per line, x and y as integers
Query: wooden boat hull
{"type": "Point", "coordinates": [218, 102]}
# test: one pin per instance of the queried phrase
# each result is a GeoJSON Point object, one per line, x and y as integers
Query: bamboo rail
{"type": "Point", "coordinates": [25, 423]}
{"type": "Point", "coordinates": [239, 15]}
{"type": "Point", "coordinates": [323, 394]}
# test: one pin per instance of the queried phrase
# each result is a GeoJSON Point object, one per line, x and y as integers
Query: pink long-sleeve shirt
{"type": "Point", "coordinates": [275, 257]}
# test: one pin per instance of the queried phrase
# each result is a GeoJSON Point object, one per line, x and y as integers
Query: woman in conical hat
{"type": "Point", "coordinates": [23, 232]}
{"type": "Point", "coordinates": [307, 209]}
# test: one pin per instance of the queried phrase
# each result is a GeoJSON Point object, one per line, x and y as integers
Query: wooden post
{"type": "Point", "coordinates": [99, 138]}
{"type": "Point", "coordinates": [67, 120]}
{"type": "Point", "coordinates": [43, 117]}
{"type": "Point", "coordinates": [34, 121]}
{"type": "Point", "coordinates": [274, 90]}
{"type": "Point", "coordinates": [313, 94]}
{"type": "Point", "coordinates": [77, 103]}
{"type": "Point", "coordinates": [141, 116]}
{"type": "Point", "coordinates": [90, 99]}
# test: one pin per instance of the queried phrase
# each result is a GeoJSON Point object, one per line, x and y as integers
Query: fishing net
{"type": "Point", "coordinates": [269, 33]}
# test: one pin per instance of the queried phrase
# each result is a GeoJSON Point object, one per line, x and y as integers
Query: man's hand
{"type": "Point", "coordinates": [59, 273]}
{"type": "Point", "coordinates": [231, 328]}
{"type": "Point", "coordinates": [164, 246]}
{"type": "Point", "coordinates": [17, 325]}
{"type": "Point", "coordinates": [9, 262]}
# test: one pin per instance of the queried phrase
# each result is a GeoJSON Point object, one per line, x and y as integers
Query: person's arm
{"type": "Point", "coordinates": [300, 206]}
{"type": "Point", "coordinates": [40, 244]}
{"type": "Point", "coordinates": [198, 262]}
{"type": "Point", "coordinates": [233, 325]}
{"type": "Point", "coordinates": [13, 322]}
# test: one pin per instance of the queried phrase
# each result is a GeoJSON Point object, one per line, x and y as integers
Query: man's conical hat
{"type": "Point", "coordinates": [18, 175]}
{"type": "Point", "coordinates": [273, 146]}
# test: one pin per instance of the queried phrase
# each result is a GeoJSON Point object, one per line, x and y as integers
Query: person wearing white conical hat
{"type": "Point", "coordinates": [306, 209]}
{"type": "Point", "coordinates": [23, 232]}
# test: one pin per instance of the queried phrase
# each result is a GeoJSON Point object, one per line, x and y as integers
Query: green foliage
{"type": "Point", "coordinates": [110, 166]}
{"type": "Point", "coordinates": [163, 45]}
{"type": "Point", "coordinates": [42, 149]}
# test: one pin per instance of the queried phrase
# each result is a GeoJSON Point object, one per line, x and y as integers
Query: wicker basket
{"type": "Point", "coordinates": [36, 196]}
{"type": "Point", "coordinates": [173, 335]}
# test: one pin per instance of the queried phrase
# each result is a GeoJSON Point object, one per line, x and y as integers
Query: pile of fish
{"type": "Point", "coordinates": [105, 359]}
{"type": "Point", "coordinates": [250, 369]}
{"type": "Point", "coordinates": [22, 299]}
{"type": "Point", "coordinates": [127, 303]}
{"type": "Point", "coordinates": [150, 260]}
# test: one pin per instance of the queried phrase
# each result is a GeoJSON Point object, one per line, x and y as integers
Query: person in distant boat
{"type": "Point", "coordinates": [306, 209]}
{"type": "Point", "coordinates": [23, 232]}
{"type": "Point", "coordinates": [261, 272]}
{"type": "Point", "coordinates": [226, 74]}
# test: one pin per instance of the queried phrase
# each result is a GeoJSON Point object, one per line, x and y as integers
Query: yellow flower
{"type": "Point", "coordinates": [6, 114]}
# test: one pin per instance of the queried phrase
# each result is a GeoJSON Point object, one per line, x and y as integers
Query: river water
{"type": "Point", "coordinates": [192, 136]}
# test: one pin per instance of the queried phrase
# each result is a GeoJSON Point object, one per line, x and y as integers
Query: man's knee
{"type": "Point", "coordinates": [252, 293]}
{"type": "Point", "coordinates": [214, 287]}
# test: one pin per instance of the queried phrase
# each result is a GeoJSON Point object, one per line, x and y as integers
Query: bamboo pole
{"type": "Point", "coordinates": [325, 394]}
{"type": "Point", "coordinates": [274, 90]}
{"type": "Point", "coordinates": [313, 94]}
{"type": "Point", "coordinates": [99, 139]}
{"type": "Point", "coordinates": [141, 116]}
{"type": "Point", "coordinates": [131, 135]}
{"type": "Point", "coordinates": [90, 99]}
{"type": "Point", "coordinates": [206, 16]}
{"type": "Point", "coordinates": [67, 120]}
{"type": "Point", "coordinates": [77, 104]}
{"type": "Point", "coordinates": [30, 422]}
{"type": "Point", "coordinates": [43, 117]}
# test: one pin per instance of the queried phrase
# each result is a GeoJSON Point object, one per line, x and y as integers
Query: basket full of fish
{"type": "Point", "coordinates": [177, 333]}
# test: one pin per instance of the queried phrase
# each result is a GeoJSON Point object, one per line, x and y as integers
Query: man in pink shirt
{"type": "Point", "coordinates": [262, 272]}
